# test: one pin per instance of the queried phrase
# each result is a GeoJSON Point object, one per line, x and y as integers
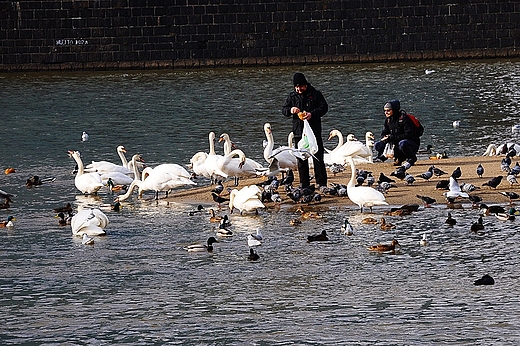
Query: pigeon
{"type": "Point", "coordinates": [336, 168]}
{"type": "Point", "coordinates": [426, 175]}
{"type": "Point", "coordinates": [515, 170]}
{"type": "Point", "coordinates": [218, 188]}
{"type": "Point", "coordinates": [289, 178]}
{"type": "Point", "coordinates": [409, 179]}
{"type": "Point", "coordinates": [399, 173]}
{"type": "Point", "coordinates": [505, 164]}
{"type": "Point", "coordinates": [456, 173]}
{"type": "Point", "coordinates": [511, 152]}
{"type": "Point", "coordinates": [485, 280]}
{"type": "Point", "coordinates": [512, 179]}
{"type": "Point", "coordinates": [511, 195]}
{"type": "Point", "coordinates": [384, 178]}
{"type": "Point", "coordinates": [428, 201]}
{"type": "Point", "coordinates": [494, 182]}
{"type": "Point", "coordinates": [443, 185]}
{"type": "Point", "coordinates": [466, 187]}
{"type": "Point", "coordinates": [480, 170]}
{"type": "Point", "coordinates": [475, 199]}
{"type": "Point", "coordinates": [438, 172]}
{"type": "Point", "coordinates": [370, 179]}
{"type": "Point", "coordinates": [219, 199]}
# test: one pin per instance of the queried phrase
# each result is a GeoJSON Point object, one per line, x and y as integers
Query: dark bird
{"type": "Point", "coordinates": [457, 173]}
{"type": "Point", "coordinates": [510, 194]}
{"type": "Point", "coordinates": [428, 150]}
{"type": "Point", "coordinates": [384, 247]}
{"type": "Point", "coordinates": [385, 179]}
{"type": "Point", "coordinates": [289, 178]}
{"type": "Point", "coordinates": [494, 182]}
{"type": "Point", "coordinates": [399, 173]}
{"type": "Point", "coordinates": [199, 209]}
{"type": "Point", "coordinates": [318, 237]}
{"type": "Point", "coordinates": [6, 204]}
{"type": "Point", "coordinates": [253, 256]}
{"type": "Point", "coordinates": [450, 221]}
{"type": "Point", "coordinates": [219, 199]}
{"type": "Point", "coordinates": [426, 175]}
{"type": "Point", "coordinates": [438, 172]}
{"type": "Point", "coordinates": [505, 164]}
{"type": "Point", "coordinates": [477, 226]}
{"type": "Point", "coordinates": [61, 221]}
{"type": "Point", "coordinates": [475, 199]}
{"type": "Point", "coordinates": [116, 206]}
{"type": "Point", "coordinates": [443, 185]}
{"type": "Point", "coordinates": [485, 280]}
{"type": "Point", "coordinates": [515, 170]}
{"type": "Point", "coordinates": [511, 152]}
{"type": "Point", "coordinates": [65, 209]}
{"type": "Point", "coordinates": [370, 179]}
{"type": "Point", "coordinates": [492, 209]}
{"type": "Point", "coordinates": [428, 201]}
{"type": "Point", "coordinates": [219, 188]}
{"type": "Point", "coordinates": [480, 170]}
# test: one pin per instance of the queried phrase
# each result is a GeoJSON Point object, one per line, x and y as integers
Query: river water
{"type": "Point", "coordinates": [138, 286]}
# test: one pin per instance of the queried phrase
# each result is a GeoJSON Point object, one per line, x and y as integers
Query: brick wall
{"type": "Point", "coordinates": [125, 34]}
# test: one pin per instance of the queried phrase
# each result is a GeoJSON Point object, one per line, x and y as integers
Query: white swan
{"type": "Point", "coordinates": [105, 166]}
{"type": "Point", "coordinates": [197, 164]}
{"type": "Point", "coordinates": [363, 196]}
{"type": "Point", "coordinates": [211, 161]}
{"type": "Point", "coordinates": [85, 182]}
{"type": "Point", "coordinates": [283, 154]}
{"type": "Point", "coordinates": [239, 167]}
{"type": "Point", "coordinates": [493, 150]}
{"type": "Point", "coordinates": [246, 199]}
{"type": "Point", "coordinates": [91, 222]}
{"type": "Point", "coordinates": [361, 153]}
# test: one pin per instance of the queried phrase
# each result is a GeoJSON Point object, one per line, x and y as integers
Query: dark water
{"type": "Point", "coordinates": [138, 286]}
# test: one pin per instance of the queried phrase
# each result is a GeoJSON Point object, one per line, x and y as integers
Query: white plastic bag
{"type": "Point", "coordinates": [389, 151]}
{"type": "Point", "coordinates": [308, 140]}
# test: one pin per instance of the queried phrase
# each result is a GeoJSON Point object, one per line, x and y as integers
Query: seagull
{"type": "Point", "coordinates": [254, 240]}
{"type": "Point", "coordinates": [84, 137]}
{"type": "Point", "coordinates": [87, 240]}
{"type": "Point", "coordinates": [428, 71]}
{"type": "Point", "coordinates": [480, 170]}
{"type": "Point", "coordinates": [494, 182]}
{"type": "Point", "coordinates": [455, 190]}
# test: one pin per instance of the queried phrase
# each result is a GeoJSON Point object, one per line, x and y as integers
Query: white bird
{"type": "Point", "coordinates": [87, 183]}
{"type": "Point", "coordinates": [211, 161]}
{"type": "Point", "coordinates": [363, 196]}
{"type": "Point", "coordinates": [197, 164]}
{"type": "Point", "coordinates": [424, 240]}
{"type": "Point", "coordinates": [91, 222]}
{"type": "Point", "coordinates": [273, 170]}
{"type": "Point", "coordinates": [84, 136]}
{"type": "Point", "coordinates": [515, 128]}
{"type": "Point", "coordinates": [283, 154]}
{"type": "Point", "coordinates": [346, 228]}
{"type": "Point", "coordinates": [255, 239]}
{"type": "Point", "coordinates": [106, 166]}
{"type": "Point", "coordinates": [247, 199]}
{"type": "Point", "coordinates": [493, 150]}
{"type": "Point", "coordinates": [428, 71]}
{"type": "Point", "coordinates": [117, 178]}
{"type": "Point", "coordinates": [352, 147]}
{"type": "Point", "coordinates": [240, 167]}
{"type": "Point", "coordinates": [456, 124]}
{"type": "Point", "coordinates": [455, 190]}
{"type": "Point", "coordinates": [87, 240]}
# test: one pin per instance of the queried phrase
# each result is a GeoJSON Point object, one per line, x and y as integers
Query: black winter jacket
{"type": "Point", "coordinates": [311, 101]}
{"type": "Point", "coordinates": [399, 126]}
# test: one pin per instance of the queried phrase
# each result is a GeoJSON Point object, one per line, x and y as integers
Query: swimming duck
{"type": "Point", "coordinates": [384, 247]}
{"type": "Point", "coordinates": [450, 221]}
{"type": "Point", "coordinates": [223, 232]}
{"type": "Point", "coordinates": [318, 237]}
{"type": "Point", "coordinates": [214, 217]}
{"type": "Point", "coordinates": [424, 240]}
{"type": "Point", "coordinates": [295, 222]}
{"type": "Point", "coordinates": [346, 228]}
{"type": "Point", "coordinates": [369, 221]}
{"type": "Point", "coordinates": [202, 247]}
{"type": "Point", "coordinates": [116, 206]}
{"type": "Point", "coordinates": [485, 280]}
{"type": "Point", "coordinates": [505, 217]}
{"type": "Point", "coordinates": [477, 226]}
{"type": "Point", "coordinates": [8, 223]}
{"type": "Point", "coordinates": [253, 256]}
{"type": "Point", "coordinates": [492, 209]}
{"type": "Point", "coordinates": [386, 226]}
{"type": "Point", "coordinates": [65, 209]}
{"type": "Point", "coordinates": [86, 240]}
{"type": "Point", "coordinates": [198, 210]}
{"type": "Point", "coordinates": [62, 221]}
{"type": "Point", "coordinates": [6, 204]}
{"type": "Point", "coordinates": [309, 214]}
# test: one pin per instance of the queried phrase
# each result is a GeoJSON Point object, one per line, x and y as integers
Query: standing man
{"type": "Point", "coordinates": [307, 103]}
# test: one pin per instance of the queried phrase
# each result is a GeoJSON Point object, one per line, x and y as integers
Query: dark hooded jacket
{"type": "Point", "coordinates": [311, 101]}
{"type": "Point", "coordinates": [399, 126]}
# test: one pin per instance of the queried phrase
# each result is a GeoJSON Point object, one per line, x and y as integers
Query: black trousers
{"type": "Point", "coordinates": [320, 171]}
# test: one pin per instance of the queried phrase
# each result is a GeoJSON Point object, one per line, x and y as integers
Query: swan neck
{"type": "Point", "coordinates": [123, 158]}
{"type": "Point", "coordinates": [130, 190]}
{"type": "Point", "coordinates": [353, 172]}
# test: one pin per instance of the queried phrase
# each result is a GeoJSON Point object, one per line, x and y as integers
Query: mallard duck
{"type": "Point", "coordinates": [214, 217]}
{"type": "Point", "coordinates": [309, 214]}
{"type": "Point", "coordinates": [369, 221]}
{"type": "Point", "coordinates": [6, 204]}
{"type": "Point", "coordinates": [199, 209]}
{"type": "Point", "coordinates": [8, 223]}
{"type": "Point", "coordinates": [505, 217]}
{"type": "Point", "coordinates": [385, 226]}
{"type": "Point", "coordinates": [295, 222]}
{"type": "Point", "coordinates": [346, 228]}
{"type": "Point", "coordinates": [318, 237]}
{"type": "Point", "coordinates": [424, 240]}
{"type": "Point", "coordinates": [202, 247]}
{"type": "Point", "coordinates": [65, 209]}
{"type": "Point", "coordinates": [253, 256]}
{"type": "Point", "coordinates": [450, 221]}
{"type": "Point", "coordinates": [86, 240]}
{"type": "Point", "coordinates": [62, 221]}
{"type": "Point", "coordinates": [384, 247]}
{"type": "Point", "coordinates": [477, 226]}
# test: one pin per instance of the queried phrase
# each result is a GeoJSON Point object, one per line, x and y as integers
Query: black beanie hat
{"type": "Point", "coordinates": [299, 79]}
{"type": "Point", "coordinates": [395, 105]}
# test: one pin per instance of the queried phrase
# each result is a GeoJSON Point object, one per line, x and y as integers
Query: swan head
{"type": "Point", "coordinates": [351, 137]}
{"type": "Point", "coordinates": [369, 136]}
{"type": "Point", "coordinates": [74, 153]}
{"type": "Point", "coordinates": [121, 149]}
{"type": "Point", "coordinates": [224, 137]}
{"type": "Point", "coordinates": [333, 133]}
{"type": "Point", "coordinates": [267, 128]}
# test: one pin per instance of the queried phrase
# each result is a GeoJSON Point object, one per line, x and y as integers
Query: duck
{"type": "Point", "coordinates": [246, 199]}
{"type": "Point", "coordinates": [255, 239]}
{"type": "Point", "coordinates": [65, 209]}
{"type": "Point", "coordinates": [89, 221]}
{"type": "Point", "coordinates": [308, 214]}
{"type": "Point", "coordinates": [87, 183]}
{"type": "Point", "coordinates": [84, 136]}
{"type": "Point", "coordinates": [450, 220]}
{"type": "Point", "coordinates": [424, 240]}
{"type": "Point", "coordinates": [86, 240]}
{"type": "Point", "coordinates": [8, 223]}
{"type": "Point", "coordinates": [6, 204]}
{"type": "Point", "coordinates": [384, 247]}
{"type": "Point", "coordinates": [346, 228]}
{"type": "Point", "coordinates": [363, 196]}
{"type": "Point", "coordinates": [222, 231]}
{"type": "Point", "coordinates": [62, 220]}
{"type": "Point", "coordinates": [208, 247]}
{"type": "Point", "coordinates": [505, 217]}
{"type": "Point", "coordinates": [428, 150]}
{"type": "Point", "coordinates": [485, 280]}
{"type": "Point", "coordinates": [477, 226]}
{"type": "Point", "coordinates": [253, 256]}
{"type": "Point", "coordinates": [295, 222]}
{"type": "Point", "coordinates": [385, 226]}
{"type": "Point", "coordinates": [369, 221]}
{"type": "Point", "coordinates": [214, 217]}
{"type": "Point", "coordinates": [318, 237]}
